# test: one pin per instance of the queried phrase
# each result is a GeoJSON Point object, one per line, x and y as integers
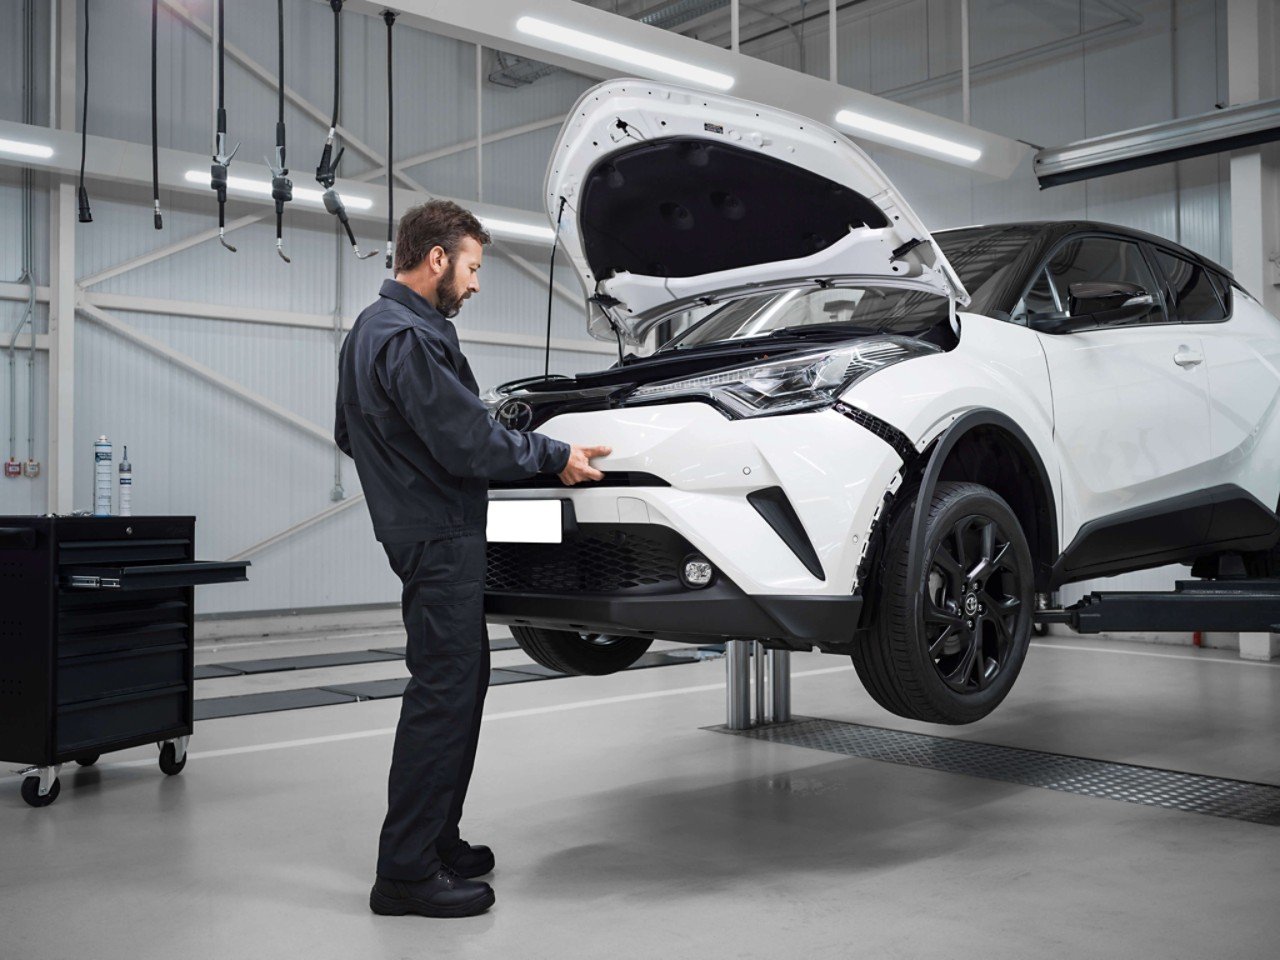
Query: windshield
{"type": "Point", "coordinates": [814, 310]}
{"type": "Point", "coordinates": [980, 255]}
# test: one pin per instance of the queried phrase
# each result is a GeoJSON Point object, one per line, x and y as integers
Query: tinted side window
{"type": "Point", "coordinates": [1194, 298]}
{"type": "Point", "coordinates": [1223, 286]}
{"type": "Point", "coordinates": [1040, 300]}
{"type": "Point", "coordinates": [1105, 260]}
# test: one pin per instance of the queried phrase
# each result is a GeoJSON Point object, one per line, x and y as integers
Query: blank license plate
{"type": "Point", "coordinates": [525, 521]}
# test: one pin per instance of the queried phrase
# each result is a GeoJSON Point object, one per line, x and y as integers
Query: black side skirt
{"type": "Point", "coordinates": [1180, 529]}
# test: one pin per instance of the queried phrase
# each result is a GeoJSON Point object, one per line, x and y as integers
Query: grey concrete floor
{"type": "Point", "coordinates": [624, 828]}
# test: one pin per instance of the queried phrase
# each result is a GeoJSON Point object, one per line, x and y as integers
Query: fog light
{"type": "Point", "coordinates": [696, 572]}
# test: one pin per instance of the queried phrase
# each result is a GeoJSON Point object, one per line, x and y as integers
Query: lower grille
{"type": "Point", "coordinates": [598, 558]}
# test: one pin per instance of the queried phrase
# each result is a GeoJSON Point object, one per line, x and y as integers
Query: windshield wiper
{"type": "Point", "coordinates": [822, 330]}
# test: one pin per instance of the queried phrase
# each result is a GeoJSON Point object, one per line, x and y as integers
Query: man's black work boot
{"type": "Point", "coordinates": [444, 895]}
{"type": "Point", "coordinates": [468, 860]}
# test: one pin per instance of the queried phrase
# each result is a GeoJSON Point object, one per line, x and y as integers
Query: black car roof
{"type": "Point", "coordinates": [1050, 231]}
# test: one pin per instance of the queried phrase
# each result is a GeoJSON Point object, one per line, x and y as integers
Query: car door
{"type": "Point", "coordinates": [1242, 357]}
{"type": "Point", "coordinates": [1130, 393]}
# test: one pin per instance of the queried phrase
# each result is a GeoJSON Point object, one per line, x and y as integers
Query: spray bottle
{"type": "Point", "coordinates": [102, 477]}
{"type": "Point", "coordinates": [126, 484]}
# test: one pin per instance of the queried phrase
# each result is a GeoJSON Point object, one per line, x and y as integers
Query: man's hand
{"type": "Point", "coordinates": [579, 467]}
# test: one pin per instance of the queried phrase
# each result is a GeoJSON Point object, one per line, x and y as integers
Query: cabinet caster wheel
{"type": "Point", "coordinates": [169, 764]}
{"type": "Point", "coordinates": [31, 792]}
{"type": "Point", "coordinates": [88, 761]}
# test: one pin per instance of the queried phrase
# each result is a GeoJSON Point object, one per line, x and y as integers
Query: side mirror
{"type": "Point", "coordinates": [1104, 297]}
{"type": "Point", "coordinates": [1096, 304]}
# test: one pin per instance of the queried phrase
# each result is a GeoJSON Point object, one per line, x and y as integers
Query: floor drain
{"type": "Point", "coordinates": [1188, 792]}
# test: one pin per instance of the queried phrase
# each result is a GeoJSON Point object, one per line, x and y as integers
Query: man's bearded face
{"type": "Point", "coordinates": [451, 292]}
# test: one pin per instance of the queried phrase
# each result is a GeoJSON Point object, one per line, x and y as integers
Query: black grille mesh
{"type": "Point", "coordinates": [597, 559]}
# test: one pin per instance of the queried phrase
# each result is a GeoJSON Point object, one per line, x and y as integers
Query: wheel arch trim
{"type": "Point", "coordinates": [964, 425]}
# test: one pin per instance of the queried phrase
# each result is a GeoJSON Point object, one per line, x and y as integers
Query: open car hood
{"type": "Point", "coordinates": [670, 194]}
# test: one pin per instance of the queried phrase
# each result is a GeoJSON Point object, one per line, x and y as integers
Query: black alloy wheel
{"type": "Point", "coordinates": [972, 603]}
{"type": "Point", "coordinates": [580, 654]}
{"type": "Point", "coordinates": [947, 646]}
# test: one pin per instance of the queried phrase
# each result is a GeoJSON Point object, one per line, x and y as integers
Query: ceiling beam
{"type": "Point", "coordinates": [754, 80]}
{"type": "Point", "coordinates": [1218, 131]}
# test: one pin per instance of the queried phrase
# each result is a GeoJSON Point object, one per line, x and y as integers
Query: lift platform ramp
{"type": "Point", "coordinates": [1232, 606]}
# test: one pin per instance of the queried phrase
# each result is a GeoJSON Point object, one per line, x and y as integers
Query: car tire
{"type": "Point", "coordinates": [580, 654]}
{"type": "Point", "coordinates": [921, 659]}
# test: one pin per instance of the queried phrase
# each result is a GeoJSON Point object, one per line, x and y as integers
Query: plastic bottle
{"type": "Point", "coordinates": [102, 477]}
{"type": "Point", "coordinates": [126, 484]}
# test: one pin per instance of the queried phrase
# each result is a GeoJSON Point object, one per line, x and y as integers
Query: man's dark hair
{"type": "Point", "coordinates": [436, 223]}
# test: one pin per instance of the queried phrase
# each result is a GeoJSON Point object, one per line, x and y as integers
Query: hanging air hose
{"type": "Point", "coordinates": [221, 159]}
{"type": "Point", "coordinates": [155, 148]}
{"type": "Point", "coordinates": [281, 185]}
{"type": "Point", "coordinates": [390, 19]}
{"type": "Point", "coordinates": [327, 171]}
{"type": "Point", "coordinates": [85, 215]}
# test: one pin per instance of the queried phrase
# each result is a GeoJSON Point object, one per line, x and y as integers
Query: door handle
{"type": "Point", "coordinates": [1186, 357]}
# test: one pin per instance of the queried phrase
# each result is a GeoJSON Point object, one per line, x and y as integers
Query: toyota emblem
{"type": "Point", "coordinates": [516, 415]}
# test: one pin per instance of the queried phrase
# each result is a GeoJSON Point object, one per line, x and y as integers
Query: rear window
{"type": "Point", "coordinates": [1195, 295]}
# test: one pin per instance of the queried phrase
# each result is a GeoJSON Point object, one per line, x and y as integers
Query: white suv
{"type": "Point", "coordinates": [854, 435]}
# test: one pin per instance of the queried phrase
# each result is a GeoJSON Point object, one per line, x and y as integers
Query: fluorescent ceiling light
{"type": "Point", "coordinates": [513, 229]}
{"type": "Point", "coordinates": [263, 189]}
{"type": "Point", "coordinates": [892, 131]}
{"type": "Point", "coordinates": [24, 149]}
{"type": "Point", "coordinates": [634, 56]}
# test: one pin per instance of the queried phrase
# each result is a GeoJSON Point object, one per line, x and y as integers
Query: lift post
{"type": "Point", "coordinates": [772, 684]}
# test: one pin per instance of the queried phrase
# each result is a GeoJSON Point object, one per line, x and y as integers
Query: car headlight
{"type": "Point", "coordinates": [796, 382]}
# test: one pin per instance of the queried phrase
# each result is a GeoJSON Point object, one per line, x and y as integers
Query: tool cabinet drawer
{"type": "Point", "coordinates": [87, 678]}
{"type": "Point", "coordinates": [94, 722]}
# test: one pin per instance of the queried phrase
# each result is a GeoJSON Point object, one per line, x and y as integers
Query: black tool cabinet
{"type": "Point", "coordinates": [96, 640]}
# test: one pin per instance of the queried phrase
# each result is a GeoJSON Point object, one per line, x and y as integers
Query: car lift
{"type": "Point", "coordinates": [1228, 605]}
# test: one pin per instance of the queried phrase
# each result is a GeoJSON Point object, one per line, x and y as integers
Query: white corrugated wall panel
{"type": "Point", "coordinates": [23, 495]}
{"type": "Point", "coordinates": [853, 54]}
{"type": "Point", "coordinates": [998, 28]}
{"type": "Point", "coordinates": [899, 45]}
{"type": "Point", "coordinates": [552, 96]}
{"type": "Point", "coordinates": [514, 169]}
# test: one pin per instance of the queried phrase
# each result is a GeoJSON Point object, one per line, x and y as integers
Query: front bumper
{"type": "Point", "coordinates": [712, 615]}
{"type": "Point", "coordinates": [782, 507]}
{"type": "Point", "coordinates": [703, 471]}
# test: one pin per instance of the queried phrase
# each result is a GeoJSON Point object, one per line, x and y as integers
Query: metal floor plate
{"type": "Point", "coordinates": [1188, 792]}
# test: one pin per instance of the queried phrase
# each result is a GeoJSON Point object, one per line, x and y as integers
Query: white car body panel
{"type": "Point", "coordinates": [1131, 424]}
{"type": "Point", "coordinates": [1242, 357]}
{"type": "Point", "coordinates": [834, 472]}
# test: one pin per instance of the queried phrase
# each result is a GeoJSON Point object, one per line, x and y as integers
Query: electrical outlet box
{"type": "Point", "coordinates": [31, 469]}
{"type": "Point", "coordinates": [12, 468]}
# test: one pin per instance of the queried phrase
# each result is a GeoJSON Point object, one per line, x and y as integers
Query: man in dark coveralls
{"type": "Point", "coordinates": [425, 448]}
